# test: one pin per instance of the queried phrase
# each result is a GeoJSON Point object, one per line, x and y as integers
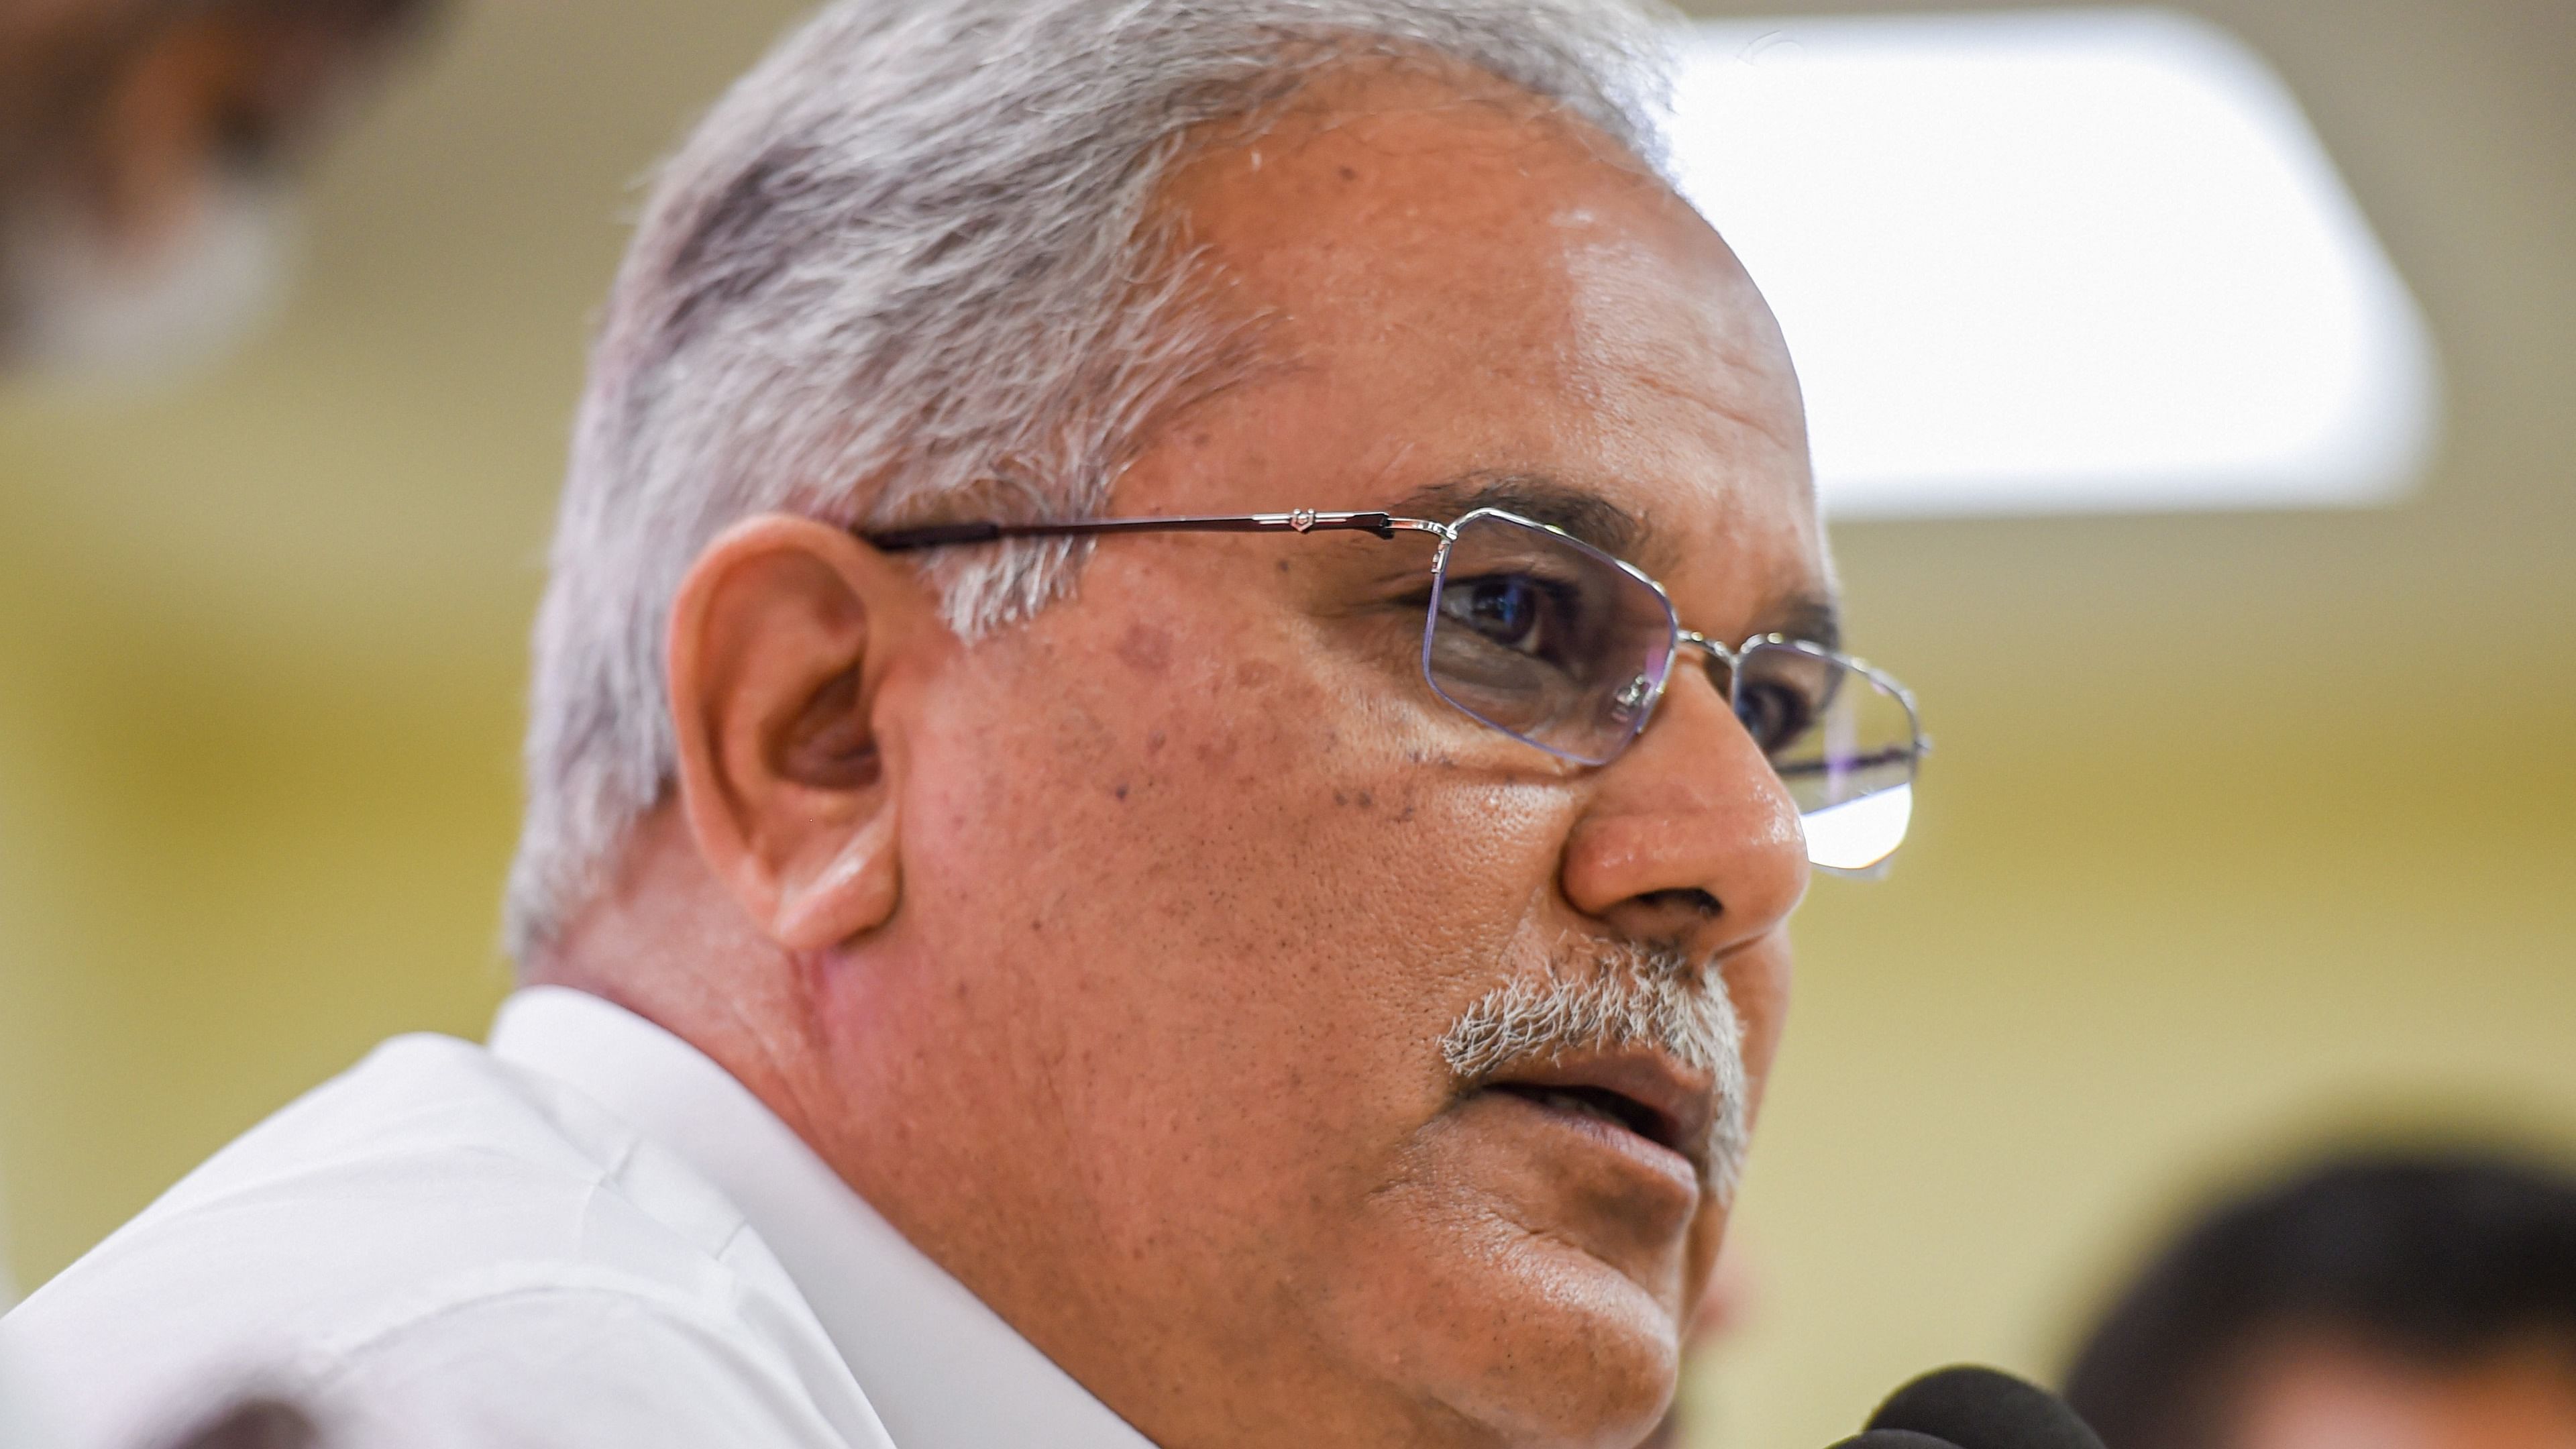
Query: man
{"type": "Point", "coordinates": [2380, 1301]}
{"type": "Point", "coordinates": [146, 150]}
{"type": "Point", "coordinates": [1302, 976]}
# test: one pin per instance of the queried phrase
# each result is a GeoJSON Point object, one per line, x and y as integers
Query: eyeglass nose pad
{"type": "Point", "coordinates": [1632, 699]}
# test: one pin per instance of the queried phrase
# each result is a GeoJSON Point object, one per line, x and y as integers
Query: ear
{"type": "Point", "coordinates": [783, 639]}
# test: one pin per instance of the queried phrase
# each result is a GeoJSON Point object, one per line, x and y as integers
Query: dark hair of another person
{"type": "Point", "coordinates": [255, 1423]}
{"type": "Point", "coordinates": [2432, 1259]}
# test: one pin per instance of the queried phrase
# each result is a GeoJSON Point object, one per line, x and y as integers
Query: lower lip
{"type": "Point", "coordinates": [1644, 1152]}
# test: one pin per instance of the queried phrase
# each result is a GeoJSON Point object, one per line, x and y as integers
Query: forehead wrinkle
{"type": "Point", "coordinates": [1783, 428]}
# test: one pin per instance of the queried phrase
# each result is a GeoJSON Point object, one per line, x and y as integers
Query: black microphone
{"type": "Point", "coordinates": [1973, 1408]}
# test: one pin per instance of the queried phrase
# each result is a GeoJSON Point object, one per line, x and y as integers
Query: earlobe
{"type": "Point", "coordinates": [783, 639]}
{"type": "Point", "coordinates": [855, 891]}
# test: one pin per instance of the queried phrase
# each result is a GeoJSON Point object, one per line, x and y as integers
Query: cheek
{"type": "Point", "coordinates": [1225, 907]}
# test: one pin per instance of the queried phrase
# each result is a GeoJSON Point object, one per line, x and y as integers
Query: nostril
{"type": "Point", "coordinates": [1698, 902]}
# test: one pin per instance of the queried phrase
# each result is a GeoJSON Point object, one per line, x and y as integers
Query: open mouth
{"type": "Point", "coordinates": [1600, 1104]}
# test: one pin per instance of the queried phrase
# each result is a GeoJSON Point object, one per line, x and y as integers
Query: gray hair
{"type": "Point", "coordinates": [909, 262]}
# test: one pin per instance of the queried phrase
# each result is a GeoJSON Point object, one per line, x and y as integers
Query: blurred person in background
{"type": "Point", "coordinates": [147, 158]}
{"type": "Point", "coordinates": [2381, 1301]}
{"type": "Point", "coordinates": [256, 1421]}
{"type": "Point", "coordinates": [148, 150]}
{"type": "Point", "coordinates": [1116, 851]}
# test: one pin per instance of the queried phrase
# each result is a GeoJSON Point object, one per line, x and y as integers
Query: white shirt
{"type": "Point", "coordinates": [587, 1234]}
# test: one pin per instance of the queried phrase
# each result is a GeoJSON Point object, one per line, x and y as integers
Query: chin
{"type": "Point", "coordinates": [1593, 1361]}
{"type": "Point", "coordinates": [1530, 1342]}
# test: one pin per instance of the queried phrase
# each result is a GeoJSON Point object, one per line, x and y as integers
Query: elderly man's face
{"type": "Point", "coordinates": [1196, 871]}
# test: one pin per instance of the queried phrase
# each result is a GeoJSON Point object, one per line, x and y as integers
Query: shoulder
{"type": "Point", "coordinates": [437, 1226]}
{"type": "Point", "coordinates": [545, 1356]}
{"type": "Point", "coordinates": [556, 1356]}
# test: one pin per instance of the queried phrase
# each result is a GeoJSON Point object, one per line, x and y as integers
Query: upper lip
{"type": "Point", "coordinates": [1677, 1104]}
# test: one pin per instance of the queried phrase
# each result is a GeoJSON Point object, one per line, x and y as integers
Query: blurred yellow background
{"type": "Point", "coordinates": [2241, 828]}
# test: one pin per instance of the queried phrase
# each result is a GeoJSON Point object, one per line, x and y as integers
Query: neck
{"type": "Point", "coordinates": [665, 942]}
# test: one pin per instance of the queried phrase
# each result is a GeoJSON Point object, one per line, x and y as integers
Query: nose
{"type": "Point", "coordinates": [1690, 836]}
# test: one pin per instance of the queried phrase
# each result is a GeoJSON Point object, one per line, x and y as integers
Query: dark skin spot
{"type": "Point", "coordinates": [1146, 649]}
{"type": "Point", "coordinates": [1348, 174]}
{"type": "Point", "coordinates": [1366, 800]}
{"type": "Point", "coordinates": [1154, 743]}
{"type": "Point", "coordinates": [1120, 792]}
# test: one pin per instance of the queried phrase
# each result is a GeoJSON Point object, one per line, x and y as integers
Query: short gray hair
{"type": "Point", "coordinates": [907, 261]}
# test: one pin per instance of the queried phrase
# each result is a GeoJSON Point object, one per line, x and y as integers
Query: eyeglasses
{"type": "Point", "coordinates": [1537, 634]}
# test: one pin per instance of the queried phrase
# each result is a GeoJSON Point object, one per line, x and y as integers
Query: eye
{"type": "Point", "coordinates": [1512, 610]}
{"type": "Point", "coordinates": [1774, 713]}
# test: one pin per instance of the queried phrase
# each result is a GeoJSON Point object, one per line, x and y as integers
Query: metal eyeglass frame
{"type": "Point", "coordinates": [1386, 525]}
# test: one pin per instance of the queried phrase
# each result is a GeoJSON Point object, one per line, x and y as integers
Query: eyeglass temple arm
{"type": "Point", "coordinates": [1303, 520]}
{"type": "Point", "coordinates": [1845, 763]}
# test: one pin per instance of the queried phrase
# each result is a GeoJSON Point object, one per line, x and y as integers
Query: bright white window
{"type": "Point", "coordinates": [2055, 261]}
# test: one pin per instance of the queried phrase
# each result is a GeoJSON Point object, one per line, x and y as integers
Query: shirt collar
{"type": "Point", "coordinates": [942, 1370]}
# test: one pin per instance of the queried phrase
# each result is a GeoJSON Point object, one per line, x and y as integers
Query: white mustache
{"type": "Point", "coordinates": [1615, 996]}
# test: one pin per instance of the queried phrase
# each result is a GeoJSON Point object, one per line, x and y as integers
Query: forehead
{"type": "Point", "coordinates": [1455, 284]}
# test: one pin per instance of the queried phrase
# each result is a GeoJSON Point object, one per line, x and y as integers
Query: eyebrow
{"type": "Point", "coordinates": [1534, 496]}
{"type": "Point", "coordinates": [1813, 618]}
